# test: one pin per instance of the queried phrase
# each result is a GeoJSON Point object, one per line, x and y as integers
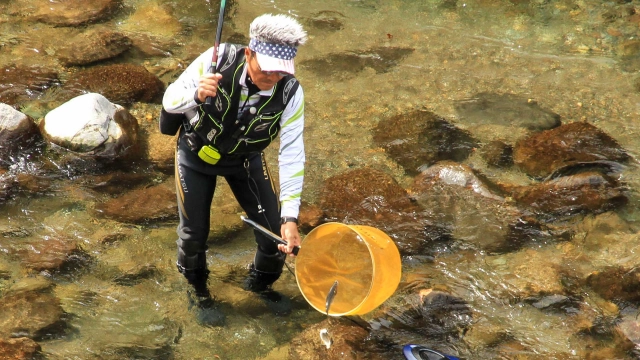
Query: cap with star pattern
{"type": "Point", "coordinates": [274, 57]}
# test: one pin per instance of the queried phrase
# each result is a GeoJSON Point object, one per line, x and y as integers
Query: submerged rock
{"type": "Point", "coordinates": [541, 154]}
{"type": "Point", "coordinates": [349, 64]}
{"type": "Point", "coordinates": [456, 199]}
{"type": "Point", "coordinates": [498, 154]}
{"type": "Point", "coordinates": [70, 12]}
{"type": "Point", "coordinates": [363, 194]}
{"type": "Point", "coordinates": [19, 349]}
{"type": "Point", "coordinates": [35, 314]}
{"type": "Point", "coordinates": [93, 46]}
{"type": "Point", "coordinates": [371, 197]}
{"type": "Point", "coordinates": [49, 253]}
{"type": "Point", "coordinates": [347, 342]}
{"type": "Point", "coordinates": [120, 83]}
{"type": "Point", "coordinates": [590, 192]}
{"type": "Point", "coordinates": [142, 205]}
{"type": "Point", "coordinates": [506, 110]}
{"type": "Point", "coordinates": [616, 283]}
{"type": "Point", "coordinates": [422, 138]}
{"type": "Point", "coordinates": [19, 84]}
{"type": "Point", "coordinates": [327, 20]}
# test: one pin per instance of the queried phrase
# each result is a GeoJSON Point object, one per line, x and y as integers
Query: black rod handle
{"type": "Point", "coordinates": [268, 233]}
{"type": "Point", "coordinates": [214, 58]}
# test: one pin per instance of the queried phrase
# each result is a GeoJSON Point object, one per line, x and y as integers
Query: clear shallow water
{"type": "Point", "coordinates": [574, 58]}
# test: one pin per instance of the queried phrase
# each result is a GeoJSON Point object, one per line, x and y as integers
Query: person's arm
{"type": "Point", "coordinates": [193, 86]}
{"type": "Point", "coordinates": [291, 160]}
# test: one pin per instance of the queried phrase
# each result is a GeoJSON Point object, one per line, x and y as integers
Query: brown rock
{"type": "Point", "coordinates": [142, 205]}
{"type": "Point", "coordinates": [542, 153]}
{"type": "Point", "coordinates": [93, 46]}
{"type": "Point", "coordinates": [19, 349]}
{"type": "Point", "coordinates": [347, 340]}
{"type": "Point", "coordinates": [73, 12]}
{"type": "Point", "coordinates": [47, 254]}
{"type": "Point", "coordinates": [590, 192]}
{"type": "Point", "coordinates": [421, 138]}
{"type": "Point", "coordinates": [120, 83]}
{"type": "Point", "coordinates": [616, 283]}
{"type": "Point", "coordinates": [19, 83]}
{"type": "Point", "coordinates": [363, 194]}
{"type": "Point", "coordinates": [33, 314]}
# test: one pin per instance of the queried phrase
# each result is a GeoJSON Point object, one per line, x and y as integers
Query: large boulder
{"type": "Point", "coordinates": [421, 138]}
{"type": "Point", "coordinates": [541, 154]}
{"type": "Point", "coordinates": [91, 125]}
{"type": "Point", "coordinates": [506, 110]}
{"type": "Point", "coordinates": [372, 197]}
{"type": "Point", "coordinates": [17, 132]}
{"type": "Point", "coordinates": [589, 192]}
{"type": "Point", "coordinates": [457, 200]}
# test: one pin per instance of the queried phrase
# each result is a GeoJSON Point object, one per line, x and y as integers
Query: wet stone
{"type": "Point", "coordinates": [33, 314]}
{"type": "Point", "coordinates": [498, 154]}
{"type": "Point", "coordinates": [506, 110]}
{"type": "Point", "coordinates": [326, 20]}
{"type": "Point", "coordinates": [458, 201]}
{"type": "Point", "coordinates": [142, 205]}
{"type": "Point", "coordinates": [19, 84]}
{"type": "Point", "coordinates": [590, 192]}
{"type": "Point", "coordinates": [17, 132]}
{"type": "Point", "coordinates": [19, 349]}
{"type": "Point", "coordinates": [616, 284]}
{"type": "Point", "coordinates": [70, 12]}
{"type": "Point", "coordinates": [91, 126]}
{"type": "Point", "coordinates": [347, 338]}
{"type": "Point", "coordinates": [362, 194]}
{"type": "Point", "coordinates": [421, 138]}
{"type": "Point", "coordinates": [348, 64]}
{"type": "Point", "coordinates": [47, 254]}
{"type": "Point", "coordinates": [93, 46]}
{"type": "Point", "coordinates": [540, 154]}
{"type": "Point", "coordinates": [115, 182]}
{"type": "Point", "coordinates": [437, 314]}
{"type": "Point", "coordinates": [120, 83]}
{"type": "Point", "coordinates": [372, 197]}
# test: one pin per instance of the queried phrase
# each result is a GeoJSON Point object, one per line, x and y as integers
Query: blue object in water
{"type": "Point", "coordinates": [419, 352]}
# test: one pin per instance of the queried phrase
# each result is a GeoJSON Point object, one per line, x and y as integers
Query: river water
{"type": "Point", "coordinates": [577, 58]}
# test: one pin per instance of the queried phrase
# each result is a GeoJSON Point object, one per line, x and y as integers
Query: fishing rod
{"type": "Point", "coordinates": [268, 233]}
{"type": "Point", "coordinates": [214, 58]}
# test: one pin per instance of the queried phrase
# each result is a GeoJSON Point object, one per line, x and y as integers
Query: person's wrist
{"type": "Point", "coordinates": [286, 219]}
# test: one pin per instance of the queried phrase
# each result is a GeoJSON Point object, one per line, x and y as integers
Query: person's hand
{"type": "Point", "coordinates": [208, 86]}
{"type": "Point", "coordinates": [290, 234]}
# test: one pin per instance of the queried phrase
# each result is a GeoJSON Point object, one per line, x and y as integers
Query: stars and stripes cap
{"type": "Point", "coordinates": [274, 57]}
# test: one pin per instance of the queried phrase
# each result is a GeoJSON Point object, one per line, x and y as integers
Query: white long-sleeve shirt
{"type": "Point", "coordinates": [180, 97]}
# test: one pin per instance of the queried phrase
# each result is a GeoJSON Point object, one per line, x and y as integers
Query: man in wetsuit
{"type": "Point", "coordinates": [254, 97]}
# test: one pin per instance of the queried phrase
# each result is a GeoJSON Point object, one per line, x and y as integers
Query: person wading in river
{"type": "Point", "coordinates": [254, 97]}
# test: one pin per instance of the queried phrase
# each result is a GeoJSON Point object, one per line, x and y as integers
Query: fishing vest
{"type": "Point", "coordinates": [220, 126]}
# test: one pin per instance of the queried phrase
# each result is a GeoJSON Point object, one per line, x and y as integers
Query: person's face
{"type": "Point", "coordinates": [264, 80]}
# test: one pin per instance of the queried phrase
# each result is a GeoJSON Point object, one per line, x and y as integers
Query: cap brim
{"type": "Point", "coordinates": [268, 63]}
